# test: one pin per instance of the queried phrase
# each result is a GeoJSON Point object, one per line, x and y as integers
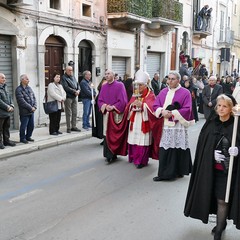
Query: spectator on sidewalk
{"type": "Point", "coordinates": [27, 106]}
{"type": "Point", "coordinates": [55, 91]}
{"type": "Point", "coordinates": [6, 109]}
{"type": "Point", "coordinates": [72, 89]}
{"type": "Point", "coordinates": [86, 96]}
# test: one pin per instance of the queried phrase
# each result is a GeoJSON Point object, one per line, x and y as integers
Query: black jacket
{"type": "Point", "coordinates": [155, 87]}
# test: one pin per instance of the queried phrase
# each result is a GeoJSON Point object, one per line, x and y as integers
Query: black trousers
{"type": "Point", "coordinates": [4, 130]}
{"type": "Point", "coordinates": [54, 123]}
{"type": "Point", "coordinates": [106, 151]}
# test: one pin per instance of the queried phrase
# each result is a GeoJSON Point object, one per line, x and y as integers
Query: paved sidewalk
{"type": "Point", "coordinates": [42, 140]}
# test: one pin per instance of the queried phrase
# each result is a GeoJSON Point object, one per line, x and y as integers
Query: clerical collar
{"type": "Point", "coordinates": [111, 82]}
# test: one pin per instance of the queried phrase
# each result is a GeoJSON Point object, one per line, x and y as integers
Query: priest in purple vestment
{"type": "Point", "coordinates": [112, 100]}
{"type": "Point", "coordinates": [174, 104]}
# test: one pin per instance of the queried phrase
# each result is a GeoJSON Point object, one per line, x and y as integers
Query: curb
{"type": "Point", "coordinates": [42, 144]}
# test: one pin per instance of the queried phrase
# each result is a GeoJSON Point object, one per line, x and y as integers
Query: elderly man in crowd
{"type": "Point", "coordinates": [72, 90]}
{"type": "Point", "coordinates": [27, 106]}
{"type": "Point", "coordinates": [210, 94]}
{"type": "Point", "coordinates": [6, 109]}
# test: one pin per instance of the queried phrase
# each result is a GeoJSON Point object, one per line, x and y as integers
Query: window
{"type": "Point", "coordinates": [86, 10]}
{"type": "Point", "coordinates": [221, 26]}
{"type": "Point", "coordinates": [235, 9]}
{"type": "Point", "coordinates": [55, 4]}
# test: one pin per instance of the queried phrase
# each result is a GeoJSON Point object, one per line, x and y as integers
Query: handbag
{"type": "Point", "coordinates": [50, 107]}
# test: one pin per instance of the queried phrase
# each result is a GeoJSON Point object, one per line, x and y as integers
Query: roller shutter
{"type": "Point", "coordinates": [153, 63]}
{"type": "Point", "coordinates": [119, 66]}
{"type": "Point", "coordinates": [6, 63]}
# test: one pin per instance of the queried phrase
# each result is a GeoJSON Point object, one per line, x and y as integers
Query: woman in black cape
{"type": "Point", "coordinates": [207, 187]}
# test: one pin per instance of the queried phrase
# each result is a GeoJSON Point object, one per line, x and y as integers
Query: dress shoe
{"type": "Point", "coordinates": [157, 179]}
{"type": "Point", "coordinates": [75, 129]}
{"type": "Point", "coordinates": [54, 133]}
{"type": "Point", "coordinates": [68, 131]}
{"type": "Point", "coordinates": [24, 141]}
{"type": "Point", "coordinates": [1, 146]}
{"type": "Point", "coordinates": [214, 229]}
{"type": "Point", "coordinates": [139, 166]}
{"type": "Point", "coordinates": [59, 132]}
{"type": "Point", "coordinates": [30, 139]}
{"type": "Point", "coordinates": [10, 143]}
{"type": "Point", "coordinates": [108, 160]}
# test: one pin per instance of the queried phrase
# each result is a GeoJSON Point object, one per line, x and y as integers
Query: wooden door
{"type": "Point", "coordinates": [53, 62]}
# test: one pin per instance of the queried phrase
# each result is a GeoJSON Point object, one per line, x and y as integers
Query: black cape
{"type": "Point", "coordinates": [200, 200]}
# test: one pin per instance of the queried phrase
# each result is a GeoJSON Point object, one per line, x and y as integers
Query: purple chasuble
{"type": "Point", "coordinates": [113, 94]}
{"type": "Point", "coordinates": [182, 96]}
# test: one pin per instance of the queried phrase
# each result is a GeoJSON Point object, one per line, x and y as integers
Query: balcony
{"type": "Point", "coordinates": [129, 12]}
{"type": "Point", "coordinates": [20, 3]}
{"type": "Point", "coordinates": [167, 13]}
{"type": "Point", "coordinates": [202, 27]}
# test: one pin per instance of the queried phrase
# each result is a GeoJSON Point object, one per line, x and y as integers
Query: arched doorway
{"type": "Point", "coordinates": [54, 57]}
{"type": "Point", "coordinates": [84, 58]}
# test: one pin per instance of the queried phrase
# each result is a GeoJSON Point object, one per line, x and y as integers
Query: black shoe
{"type": "Point", "coordinates": [24, 141]}
{"type": "Point", "coordinates": [139, 166]}
{"type": "Point", "coordinates": [10, 143]}
{"type": "Point", "coordinates": [30, 139]}
{"type": "Point", "coordinates": [1, 146]}
{"type": "Point", "coordinates": [180, 176]}
{"type": "Point", "coordinates": [108, 160]}
{"type": "Point", "coordinates": [157, 179]}
{"type": "Point", "coordinates": [68, 131]}
{"type": "Point", "coordinates": [54, 133]}
{"type": "Point", "coordinates": [59, 132]}
{"type": "Point", "coordinates": [214, 229]}
{"type": "Point", "coordinates": [75, 129]}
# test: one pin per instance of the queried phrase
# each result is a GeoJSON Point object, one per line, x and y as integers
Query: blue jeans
{"type": "Point", "coordinates": [26, 127]}
{"type": "Point", "coordinates": [87, 107]}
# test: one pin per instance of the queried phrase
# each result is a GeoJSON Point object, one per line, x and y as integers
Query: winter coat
{"type": "Point", "coordinates": [56, 92]}
{"type": "Point", "coordinates": [5, 101]}
{"type": "Point", "coordinates": [26, 100]}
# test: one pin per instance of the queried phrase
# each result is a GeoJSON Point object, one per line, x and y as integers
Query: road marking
{"type": "Point", "coordinates": [25, 195]}
{"type": "Point", "coordinates": [83, 172]}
